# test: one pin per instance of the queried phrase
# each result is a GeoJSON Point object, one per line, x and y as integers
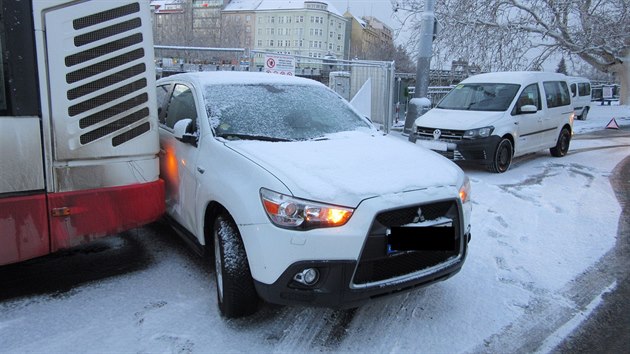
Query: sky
{"type": "Point", "coordinates": [542, 236]}
{"type": "Point", "coordinates": [381, 9]}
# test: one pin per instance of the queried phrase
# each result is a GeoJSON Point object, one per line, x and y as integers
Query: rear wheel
{"type": "Point", "coordinates": [562, 145]}
{"type": "Point", "coordinates": [236, 293]}
{"type": "Point", "coordinates": [584, 114]}
{"type": "Point", "coordinates": [502, 156]}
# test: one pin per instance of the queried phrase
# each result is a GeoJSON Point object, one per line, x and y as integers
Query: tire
{"type": "Point", "coordinates": [584, 114]}
{"type": "Point", "coordinates": [236, 294]}
{"type": "Point", "coordinates": [562, 145]}
{"type": "Point", "coordinates": [502, 156]}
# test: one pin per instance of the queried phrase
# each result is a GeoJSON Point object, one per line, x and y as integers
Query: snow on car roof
{"type": "Point", "coordinates": [208, 78]}
{"type": "Point", "coordinates": [516, 77]}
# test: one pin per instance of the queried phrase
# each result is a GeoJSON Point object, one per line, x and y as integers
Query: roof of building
{"type": "Point", "coordinates": [252, 5]}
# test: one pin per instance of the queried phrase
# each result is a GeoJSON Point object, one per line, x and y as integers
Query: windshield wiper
{"type": "Point", "coordinates": [234, 136]}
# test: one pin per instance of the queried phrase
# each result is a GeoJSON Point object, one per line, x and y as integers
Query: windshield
{"type": "Point", "coordinates": [480, 97]}
{"type": "Point", "coordinates": [278, 112]}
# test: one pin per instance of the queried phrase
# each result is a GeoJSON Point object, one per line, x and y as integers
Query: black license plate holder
{"type": "Point", "coordinates": [426, 238]}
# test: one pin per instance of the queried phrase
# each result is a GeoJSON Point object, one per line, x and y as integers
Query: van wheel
{"type": "Point", "coordinates": [236, 293]}
{"type": "Point", "coordinates": [502, 156]}
{"type": "Point", "coordinates": [562, 145]}
{"type": "Point", "coordinates": [584, 114]}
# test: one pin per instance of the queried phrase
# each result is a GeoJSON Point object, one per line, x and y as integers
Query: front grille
{"type": "Point", "coordinates": [377, 264]}
{"type": "Point", "coordinates": [398, 265]}
{"type": "Point", "coordinates": [404, 216]}
{"type": "Point", "coordinates": [446, 134]}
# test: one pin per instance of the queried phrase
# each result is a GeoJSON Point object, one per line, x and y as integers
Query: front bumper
{"type": "Point", "coordinates": [474, 150]}
{"type": "Point", "coordinates": [377, 270]}
{"type": "Point", "coordinates": [333, 289]}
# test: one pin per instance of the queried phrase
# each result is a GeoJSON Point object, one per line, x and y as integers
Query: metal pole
{"type": "Point", "coordinates": [425, 50]}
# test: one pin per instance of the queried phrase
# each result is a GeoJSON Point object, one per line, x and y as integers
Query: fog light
{"type": "Point", "coordinates": [308, 276]}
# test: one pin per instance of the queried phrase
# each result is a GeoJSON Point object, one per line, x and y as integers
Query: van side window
{"type": "Point", "coordinates": [181, 106]}
{"type": "Point", "coordinates": [529, 96]}
{"type": "Point", "coordinates": [556, 93]}
{"type": "Point", "coordinates": [574, 90]}
{"type": "Point", "coordinates": [584, 88]}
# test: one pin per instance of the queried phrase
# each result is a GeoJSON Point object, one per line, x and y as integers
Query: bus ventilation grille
{"type": "Point", "coordinates": [107, 76]}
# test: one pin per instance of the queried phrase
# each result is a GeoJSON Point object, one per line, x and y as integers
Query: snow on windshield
{"type": "Point", "coordinates": [480, 97]}
{"type": "Point", "coordinates": [278, 111]}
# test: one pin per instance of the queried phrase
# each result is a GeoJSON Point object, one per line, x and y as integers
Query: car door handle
{"type": "Point", "coordinates": [162, 152]}
{"type": "Point", "coordinates": [515, 123]}
{"type": "Point", "coordinates": [201, 169]}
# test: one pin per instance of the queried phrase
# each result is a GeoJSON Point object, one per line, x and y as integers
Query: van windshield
{"type": "Point", "coordinates": [480, 97]}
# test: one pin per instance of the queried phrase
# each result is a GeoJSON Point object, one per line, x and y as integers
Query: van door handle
{"type": "Point", "coordinates": [201, 169]}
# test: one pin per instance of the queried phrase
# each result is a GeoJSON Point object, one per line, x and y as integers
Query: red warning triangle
{"type": "Point", "coordinates": [612, 124]}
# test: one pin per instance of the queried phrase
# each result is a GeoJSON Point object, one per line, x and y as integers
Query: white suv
{"type": "Point", "coordinates": [298, 198]}
{"type": "Point", "coordinates": [491, 118]}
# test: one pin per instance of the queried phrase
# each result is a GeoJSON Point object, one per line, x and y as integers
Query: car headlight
{"type": "Point", "coordinates": [478, 133]}
{"type": "Point", "coordinates": [294, 213]}
{"type": "Point", "coordinates": [464, 191]}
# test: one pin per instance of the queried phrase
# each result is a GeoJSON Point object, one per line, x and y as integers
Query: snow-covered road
{"type": "Point", "coordinates": [542, 236]}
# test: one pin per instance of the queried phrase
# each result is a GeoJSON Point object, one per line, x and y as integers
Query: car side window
{"type": "Point", "coordinates": [181, 106]}
{"type": "Point", "coordinates": [556, 94]}
{"type": "Point", "coordinates": [529, 96]}
{"type": "Point", "coordinates": [163, 92]}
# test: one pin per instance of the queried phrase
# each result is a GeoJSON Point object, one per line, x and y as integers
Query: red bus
{"type": "Point", "coordinates": [78, 124]}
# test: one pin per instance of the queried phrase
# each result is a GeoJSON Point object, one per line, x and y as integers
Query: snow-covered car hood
{"type": "Point", "coordinates": [350, 167]}
{"type": "Point", "coordinates": [457, 119]}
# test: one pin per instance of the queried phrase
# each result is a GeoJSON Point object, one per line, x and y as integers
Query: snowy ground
{"type": "Point", "coordinates": [540, 233]}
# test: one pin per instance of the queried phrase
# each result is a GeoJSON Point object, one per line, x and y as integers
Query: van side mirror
{"type": "Point", "coordinates": [181, 129]}
{"type": "Point", "coordinates": [528, 109]}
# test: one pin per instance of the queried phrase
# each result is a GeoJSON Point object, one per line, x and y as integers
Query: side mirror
{"type": "Point", "coordinates": [181, 129]}
{"type": "Point", "coordinates": [528, 109]}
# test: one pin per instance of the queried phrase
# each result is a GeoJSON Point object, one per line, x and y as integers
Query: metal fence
{"type": "Point", "coordinates": [346, 77]}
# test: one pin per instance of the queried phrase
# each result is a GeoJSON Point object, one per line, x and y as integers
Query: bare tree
{"type": "Point", "coordinates": [522, 34]}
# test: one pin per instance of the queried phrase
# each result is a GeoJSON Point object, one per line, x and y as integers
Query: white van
{"type": "Point", "coordinates": [580, 95]}
{"type": "Point", "coordinates": [491, 118]}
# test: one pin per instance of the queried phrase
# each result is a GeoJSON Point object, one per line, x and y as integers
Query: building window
{"type": "Point", "coordinates": [271, 42]}
{"type": "Point", "coordinates": [248, 18]}
{"type": "Point", "coordinates": [339, 36]}
{"type": "Point", "coordinates": [260, 42]}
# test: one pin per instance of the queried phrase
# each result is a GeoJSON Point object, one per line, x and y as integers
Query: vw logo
{"type": "Point", "coordinates": [436, 134]}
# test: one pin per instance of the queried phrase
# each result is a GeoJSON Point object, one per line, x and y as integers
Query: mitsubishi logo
{"type": "Point", "coordinates": [419, 217]}
{"type": "Point", "coordinates": [436, 134]}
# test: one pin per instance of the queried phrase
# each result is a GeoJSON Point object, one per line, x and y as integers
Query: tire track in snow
{"type": "Point", "coordinates": [301, 329]}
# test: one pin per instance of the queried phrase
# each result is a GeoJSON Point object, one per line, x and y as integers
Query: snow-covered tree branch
{"type": "Point", "coordinates": [521, 34]}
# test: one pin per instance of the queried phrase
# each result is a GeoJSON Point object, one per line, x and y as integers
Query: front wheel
{"type": "Point", "coordinates": [236, 293]}
{"type": "Point", "coordinates": [562, 145]}
{"type": "Point", "coordinates": [502, 156]}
